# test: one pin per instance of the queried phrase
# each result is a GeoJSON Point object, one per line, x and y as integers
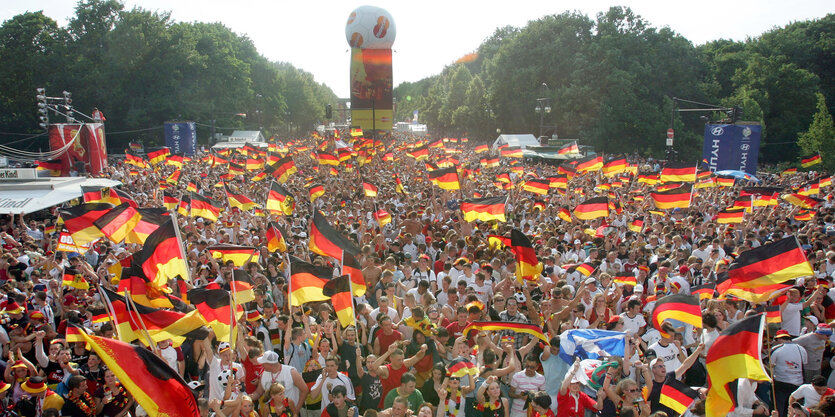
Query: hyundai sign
{"type": "Point", "coordinates": [732, 146]}
{"type": "Point", "coordinates": [181, 137]}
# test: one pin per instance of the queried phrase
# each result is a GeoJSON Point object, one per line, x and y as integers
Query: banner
{"type": "Point", "coordinates": [371, 89]}
{"type": "Point", "coordinates": [88, 153]}
{"type": "Point", "coordinates": [181, 137]}
{"type": "Point", "coordinates": [732, 146]}
{"type": "Point", "coordinates": [66, 244]}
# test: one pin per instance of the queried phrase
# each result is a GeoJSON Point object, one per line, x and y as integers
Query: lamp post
{"type": "Point", "coordinates": [543, 105]}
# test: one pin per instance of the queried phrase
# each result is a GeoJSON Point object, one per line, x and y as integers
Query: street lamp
{"type": "Point", "coordinates": [543, 105]}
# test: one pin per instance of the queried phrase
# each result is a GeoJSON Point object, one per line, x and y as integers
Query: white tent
{"type": "Point", "coordinates": [516, 141]}
{"type": "Point", "coordinates": [31, 193]}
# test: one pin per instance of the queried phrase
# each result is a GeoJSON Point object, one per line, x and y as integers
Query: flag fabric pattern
{"type": "Point", "coordinates": [484, 209]}
{"type": "Point", "coordinates": [327, 241]}
{"type": "Point", "coordinates": [592, 208]}
{"type": "Point", "coordinates": [676, 198]}
{"type": "Point", "coordinates": [118, 222]}
{"type": "Point", "coordinates": [528, 266]}
{"type": "Point", "coordinates": [307, 282]}
{"type": "Point", "coordinates": [80, 221]}
{"type": "Point", "coordinates": [769, 264]}
{"type": "Point", "coordinates": [339, 291]}
{"type": "Point", "coordinates": [735, 354]}
{"type": "Point", "coordinates": [679, 172]}
{"type": "Point", "coordinates": [275, 238]}
{"type": "Point", "coordinates": [591, 344]}
{"type": "Point", "coordinates": [677, 395]}
{"type": "Point", "coordinates": [537, 186]}
{"type": "Point", "coordinates": [445, 178]}
{"type": "Point", "coordinates": [161, 258]}
{"type": "Point", "coordinates": [279, 200]}
{"type": "Point", "coordinates": [679, 307]}
{"type": "Point", "coordinates": [156, 387]}
{"type": "Point", "coordinates": [589, 164]}
{"type": "Point", "coordinates": [369, 189]}
{"type": "Point", "coordinates": [239, 255]}
{"type": "Point", "coordinates": [530, 329]}
{"type": "Point", "coordinates": [204, 207]}
{"type": "Point", "coordinates": [730, 215]}
{"type": "Point", "coordinates": [810, 161]}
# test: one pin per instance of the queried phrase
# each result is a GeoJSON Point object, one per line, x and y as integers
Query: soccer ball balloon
{"type": "Point", "coordinates": [223, 377]}
{"type": "Point", "coordinates": [370, 27]}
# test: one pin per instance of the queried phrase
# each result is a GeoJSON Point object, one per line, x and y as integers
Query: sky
{"type": "Point", "coordinates": [432, 34]}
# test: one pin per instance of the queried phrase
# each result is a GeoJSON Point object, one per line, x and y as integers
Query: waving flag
{"type": "Point", "coordinates": [239, 255]}
{"type": "Point", "coordinates": [769, 264]}
{"type": "Point", "coordinates": [118, 222]}
{"type": "Point", "coordinates": [161, 258]}
{"type": "Point", "coordinates": [484, 209]}
{"type": "Point", "coordinates": [677, 395]}
{"type": "Point", "coordinates": [327, 241]}
{"type": "Point", "coordinates": [279, 200]}
{"type": "Point", "coordinates": [679, 307]}
{"type": "Point", "coordinates": [445, 178]}
{"type": "Point", "coordinates": [527, 264]}
{"type": "Point", "coordinates": [79, 221]}
{"type": "Point", "coordinates": [275, 238]}
{"type": "Point", "coordinates": [530, 329]}
{"type": "Point", "coordinates": [810, 161]}
{"type": "Point", "coordinates": [307, 282]}
{"type": "Point", "coordinates": [339, 291]}
{"type": "Point", "coordinates": [369, 189]}
{"type": "Point", "coordinates": [591, 344]}
{"type": "Point", "coordinates": [592, 208]}
{"type": "Point", "coordinates": [679, 172]}
{"type": "Point", "coordinates": [204, 207]}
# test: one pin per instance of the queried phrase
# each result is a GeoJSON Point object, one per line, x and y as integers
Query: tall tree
{"type": "Point", "coordinates": [820, 137]}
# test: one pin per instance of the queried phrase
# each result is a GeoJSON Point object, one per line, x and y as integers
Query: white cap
{"type": "Point", "coordinates": [268, 357]}
{"type": "Point", "coordinates": [813, 319]}
{"type": "Point", "coordinates": [591, 281]}
{"type": "Point", "coordinates": [223, 346]}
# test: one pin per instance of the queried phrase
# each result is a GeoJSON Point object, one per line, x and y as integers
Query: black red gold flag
{"type": "Point", "coordinates": [484, 209]}
{"type": "Point", "coordinates": [327, 241]}
{"type": "Point", "coordinates": [680, 307]}
{"type": "Point", "coordinates": [339, 291]}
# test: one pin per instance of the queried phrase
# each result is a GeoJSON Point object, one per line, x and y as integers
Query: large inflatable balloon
{"type": "Point", "coordinates": [370, 27]}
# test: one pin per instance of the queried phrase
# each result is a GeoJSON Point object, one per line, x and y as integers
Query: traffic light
{"type": "Point", "coordinates": [43, 112]}
{"type": "Point", "coordinates": [328, 111]}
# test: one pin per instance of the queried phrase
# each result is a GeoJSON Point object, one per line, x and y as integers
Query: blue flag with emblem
{"type": "Point", "coordinates": [591, 344]}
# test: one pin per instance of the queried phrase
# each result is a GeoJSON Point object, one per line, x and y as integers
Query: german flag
{"type": "Point", "coordinates": [668, 186]}
{"type": "Point", "coordinates": [116, 223]}
{"type": "Point", "coordinates": [704, 292]}
{"type": "Point", "coordinates": [585, 269]}
{"type": "Point", "coordinates": [49, 229]}
{"type": "Point", "coordinates": [161, 257]}
{"type": "Point", "coordinates": [174, 178]}
{"type": "Point", "coordinates": [802, 201]}
{"type": "Point", "coordinates": [679, 172]}
{"type": "Point", "coordinates": [789, 171]}
{"type": "Point", "coordinates": [156, 157]}
{"type": "Point", "coordinates": [239, 255]}
{"type": "Point", "coordinates": [193, 186]}
{"type": "Point", "coordinates": [420, 153]}
{"type": "Point", "coordinates": [355, 131]}
{"type": "Point", "coordinates": [327, 241]}
{"type": "Point", "coordinates": [239, 200]}
{"type": "Point", "coordinates": [770, 264]}
{"type": "Point", "coordinates": [160, 324]}
{"type": "Point", "coordinates": [592, 208]}
{"type": "Point", "coordinates": [169, 201]}
{"type": "Point", "coordinates": [725, 181]}
{"type": "Point", "coordinates": [388, 157]}
{"type": "Point", "coordinates": [539, 205]}
{"type": "Point", "coordinates": [275, 238]}
{"type": "Point", "coordinates": [773, 314]}
{"type": "Point", "coordinates": [705, 183]}
{"type": "Point", "coordinates": [558, 181]}
{"type": "Point", "coordinates": [677, 395]}
{"type": "Point", "coordinates": [133, 159]}
{"type": "Point", "coordinates": [730, 215]}
{"type": "Point", "coordinates": [637, 225]}
{"type": "Point", "coordinates": [625, 278]}
{"type": "Point", "coordinates": [282, 169]}
{"type": "Point", "coordinates": [253, 164]}
{"type": "Point", "coordinates": [307, 282]}
{"type": "Point", "coordinates": [825, 182]}
{"type": "Point", "coordinates": [589, 164]}
{"type": "Point", "coordinates": [481, 148]}
{"type": "Point", "coordinates": [493, 326]}
{"type": "Point", "coordinates": [316, 191]}
{"type": "Point", "coordinates": [343, 154]}
{"type": "Point", "coordinates": [74, 279]}
{"type": "Point", "coordinates": [565, 215]}
{"type": "Point", "coordinates": [614, 167]}
{"type": "Point", "coordinates": [174, 160]}
{"type": "Point", "coordinates": [398, 185]}
{"type": "Point", "coordinates": [54, 166]}
{"type": "Point", "coordinates": [569, 149]}
{"type": "Point", "coordinates": [504, 177]}
{"type": "Point", "coordinates": [812, 188]}
{"type": "Point", "coordinates": [810, 161]}
{"type": "Point", "coordinates": [383, 217]}
{"type": "Point", "coordinates": [804, 215]}
{"type": "Point", "coordinates": [528, 266]}
{"type": "Point", "coordinates": [679, 307]}
{"type": "Point", "coordinates": [241, 287]}
{"type": "Point", "coordinates": [157, 387]}
{"type": "Point", "coordinates": [142, 291]}
{"type": "Point", "coordinates": [236, 169]}
{"type": "Point", "coordinates": [352, 268]}
{"type": "Point", "coordinates": [279, 200]}
{"type": "Point", "coordinates": [703, 174]}
{"type": "Point", "coordinates": [369, 189]}
{"type": "Point", "coordinates": [497, 242]}
{"type": "Point", "coordinates": [215, 306]}
{"type": "Point", "coordinates": [537, 186]}
{"type": "Point", "coordinates": [96, 195]}
{"type": "Point", "coordinates": [204, 207]}
{"type": "Point", "coordinates": [183, 207]}
{"type": "Point", "coordinates": [761, 294]}
{"type": "Point", "coordinates": [150, 219]}
{"type": "Point", "coordinates": [461, 367]}
{"type": "Point", "coordinates": [675, 198]}
{"type": "Point", "coordinates": [489, 162]}
{"type": "Point", "coordinates": [484, 209]}
{"type": "Point", "coordinates": [339, 291]}
{"type": "Point", "coordinates": [79, 221]}
{"type": "Point", "coordinates": [647, 178]}
{"type": "Point", "coordinates": [325, 158]}
{"type": "Point", "coordinates": [512, 152]}
{"type": "Point", "coordinates": [735, 354]}
{"type": "Point", "coordinates": [445, 178]}
{"type": "Point", "coordinates": [438, 144]}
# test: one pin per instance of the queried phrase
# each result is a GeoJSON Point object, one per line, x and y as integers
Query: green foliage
{"type": "Point", "coordinates": [143, 69]}
{"type": "Point", "coordinates": [820, 137]}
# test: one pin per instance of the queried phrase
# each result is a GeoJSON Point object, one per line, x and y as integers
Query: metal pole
{"type": "Point", "coordinates": [212, 138]}
{"type": "Point", "coordinates": [541, 104]}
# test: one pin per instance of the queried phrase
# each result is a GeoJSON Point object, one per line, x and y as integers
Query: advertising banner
{"type": "Point", "coordinates": [371, 89]}
{"type": "Point", "coordinates": [88, 152]}
{"type": "Point", "coordinates": [181, 137]}
{"type": "Point", "coordinates": [66, 244]}
{"type": "Point", "coordinates": [732, 146]}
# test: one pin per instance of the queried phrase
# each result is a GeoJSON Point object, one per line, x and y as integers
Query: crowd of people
{"type": "Point", "coordinates": [429, 275]}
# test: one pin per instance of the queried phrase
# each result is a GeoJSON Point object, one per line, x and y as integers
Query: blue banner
{"type": "Point", "coordinates": [732, 146]}
{"type": "Point", "coordinates": [181, 137]}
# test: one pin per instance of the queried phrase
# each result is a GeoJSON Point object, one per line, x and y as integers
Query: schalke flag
{"type": "Point", "coordinates": [591, 344]}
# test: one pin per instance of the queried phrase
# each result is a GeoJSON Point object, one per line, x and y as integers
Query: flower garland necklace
{"type": "Point", "coordinates": [123, 398]}
{"type": "Point", "coordinates": [82, 402]}
{"type": "Point", "coordinates": [457, 404]}
{"type": "Point", "coordinates": [492, 406]}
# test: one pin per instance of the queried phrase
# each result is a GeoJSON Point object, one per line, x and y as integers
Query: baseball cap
{"type": "Point", "coordinates": [577, 241]}
{"type": "Point", "coordinates": [591, 281]}
{"type": "Point", "coordinates": [782, 334]}
{"type": "Point", "coordinates": [268, 357]}
{"type": "Point", "coordinates": [196, 385]}
{"type": "Point", "coordinates": [813, 319]}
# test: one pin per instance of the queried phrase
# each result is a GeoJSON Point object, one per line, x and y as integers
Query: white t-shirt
{"type": "Point", "coordinates": [668, 354]}
{"type": "Point", "coordinates": [339, 380]}
{"type": "Point", "coordinates": [788, 360]}
{"type": "Point", "coordinates": [483, 292]}
{"type": "Point", "coordinates": [522, 382]}
{"type": "Point", "coordinates": [283, 377]}
{"type": "Point", "coordinates": [810, 397]}
{"type": "Point", "coordinates": [791, 318]}
{"type": "Point", "coordinates": [216, 389]}
{"type": "Point", "coordinates": [633, 325]}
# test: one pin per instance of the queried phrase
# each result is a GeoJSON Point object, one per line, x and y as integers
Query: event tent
{"type": "Point", "coordinates": [515, 141]}
{"type": "Point", "coordinates": [21, 191]}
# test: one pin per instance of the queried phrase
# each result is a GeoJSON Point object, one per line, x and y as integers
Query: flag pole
{"type": "Point", "coordinates": [350, 285]}
{"type": "Point", "coordinates": [110, 311]}
{"type": "Point", "coordinates": [130, 305]}
{"type": "Point", "coordinates": [180, 244]}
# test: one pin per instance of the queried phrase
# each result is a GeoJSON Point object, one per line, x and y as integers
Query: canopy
{"type": "Point", "coordinates": [516, 141]}
{"type": "Point", "coordinates": [33, 194]}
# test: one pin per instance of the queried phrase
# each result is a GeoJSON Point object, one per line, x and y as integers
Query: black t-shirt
{"type": "Point", "coordinates": [372, 393]}
{"type": "Point", "coordinates": [655, 396]}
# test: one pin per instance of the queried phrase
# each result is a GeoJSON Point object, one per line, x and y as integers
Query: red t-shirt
{"type": "Point", "coordinates": [387, 340]}
{"type": "Point", "coordinates": [456, 330]}
{"type": "Point", "coordinates": [568, 406]}
{"type": "Point", "coordinates": [392, 382]}
{"type": "Point", "coordinates": [252, 372]}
